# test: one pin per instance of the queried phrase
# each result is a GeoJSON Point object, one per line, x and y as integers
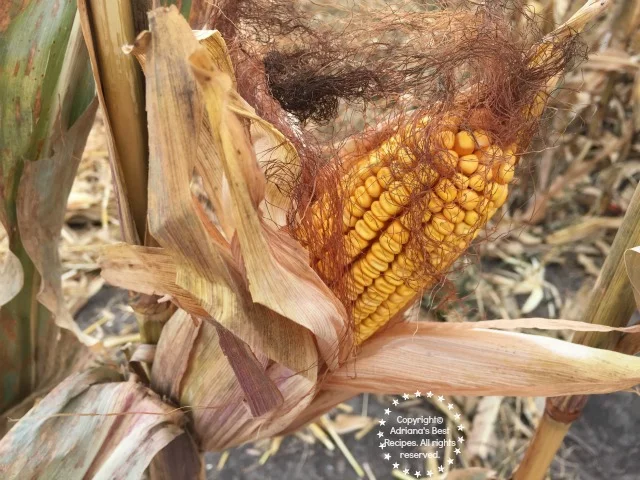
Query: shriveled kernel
{"type": "Point", "coordinates": [426, 216]}
{"type": "Point", "coordinates": [468, 164]}
{"type": "Point", "coordinates": [363, 199]}
{"type": "Point", "coordinates": [442, 225]}
{"type": "Point", "coordinates": [471, 218]}
{"type": "Point", "coordinates": [372, 186]}
{"type": "Point", "coordinates": [400, 271]}
{"type": "Point", "coordinates": [504, 173]}
{"type": "Point", "coordinates": [363, 170]}
{"type": "Point", "coordinates": [348, 220]}
{"type": "Point", "coordinates": [356, 240]}
{"type": "Point", "coordinates": [482, 206]}
{"type": "Point", "coordinates": [464, 144]}
{"type": "Point", "coordinates": [481, 139]}
{"type": "Point", "coordinates": [446, 190]}
{"type": "Point", "coordinates": [468, 199]}
{"type": "Point", "coordinates": [453, 213]}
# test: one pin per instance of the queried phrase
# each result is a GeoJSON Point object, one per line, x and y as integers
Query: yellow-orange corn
{"type": "Point", "coordinates": [456, 207]}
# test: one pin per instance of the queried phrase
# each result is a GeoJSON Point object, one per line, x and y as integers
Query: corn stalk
{"type": "Point", "coordinates": [47, 111]}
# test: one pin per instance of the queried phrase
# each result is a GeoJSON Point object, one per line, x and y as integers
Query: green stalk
{"type": "Point", "coordinates": [45, 115]}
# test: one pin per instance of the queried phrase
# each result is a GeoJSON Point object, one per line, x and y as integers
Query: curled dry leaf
{"type": "Point", "coordinates": [112, 429]}
{"type": "Point", "coordinates": [482, 362]}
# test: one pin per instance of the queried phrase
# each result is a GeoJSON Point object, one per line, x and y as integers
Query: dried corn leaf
{"type": "Point", "coordinates": [482, 362]}
{"type": "Point", "coordinates": [153, 271]}
{"type": "Point", "coordinates": [112, 429]}
{"type": "Point", "coordinates": [291, 289]}
{"type": "Point", "coordinates": [220, 417]}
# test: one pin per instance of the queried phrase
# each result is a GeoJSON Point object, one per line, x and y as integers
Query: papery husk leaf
{"type": "Point", "coordinates": [322, 403]}
{"type": "Point", "coordinates": [292, 290]}
{"type": "Point", "coordinates": [181, 458]}
{"type": "Point", "coordinates": [93, 425]}
{"type": "Point", "coordinates": [482, 362]}
{"type": "Point", "coordinates": [220, 417]}
{"type": "Point", "coordinates": [261, 394]}
{"type": "Point", "coordinates": [47, 112]}
{"type": "Point", "coordinates": [152, 271]}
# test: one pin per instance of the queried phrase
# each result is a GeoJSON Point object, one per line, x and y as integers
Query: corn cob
{"type": "Point", "coordinates": [454, 207]}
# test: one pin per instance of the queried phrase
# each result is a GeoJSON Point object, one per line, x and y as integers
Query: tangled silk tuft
{"type": "Point", "coordinates": [439, 102]}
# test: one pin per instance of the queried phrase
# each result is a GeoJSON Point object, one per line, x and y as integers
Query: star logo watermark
{"type": "Point", "coordinates": [399, 420]}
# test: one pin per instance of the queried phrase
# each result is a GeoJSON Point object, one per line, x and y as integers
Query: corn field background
{"type": "Point", "coordinates": [541, 259]}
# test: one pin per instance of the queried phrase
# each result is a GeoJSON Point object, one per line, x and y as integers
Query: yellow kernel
{"type": "Point", "coordinates": [372, 222]}
{"type": "Point", "coordinates": [389, 205]}
{"type": "Point", "coordinates": [378, 212]}
{"type": "Point", "coordinates": [400, 271]}
{"type": "Point", "coordinates": [384, 286]}
{"type": "Point", "coordinates": [364, 231]}
{"type": "Point", "coordinates": [368, 269]}
{"type": "Point", "coordinates": [468, 164]}
{"type": "Point", "coordinates": [471, 218]}
{"type": "Point", "coordinates": [500, 196]}
{"type": "Point", "coordinates": [349, 220]}
{"type": "Point", "coordinates": [442, 225]}
{"type": "Point", "coordinates": [490, 154]}
{"type": "Point", "coordinates": [392, 278]}
{"type": "Point", "coordinates": [460, 181]}
{"type": "Point", "coordinates": [447, 158]}
{"type": "Point", "coordinates": [353, 208]}
{"type": "Point", "coordinates": [427, 175]}
{"type": "Point", "coordinates": [462, 229]}
{"type": "Point", "coordinates": [372, 186]}
{"type": "Point", "coordinates": [445, 139]}
{"type": "Point", "coordinates": [375, 262]}
{"type": "Point", "coordinates": [434, 204]}
{"type": "Point", "coordinates": [446, 190]}
{"type": "Point", "coordinates": [468, 199]}
{"type": "Point", "coordinates": [431, 232]}
{"type": "Point", "coordinates": [482, 206]}
{"type": "Point", "coordinates": [399, 194]}
{"type": "Point", "coordinates": [356, 240]}
{"type": "Point", "coordinates": [504, 172]}
{"type": "Point", "coordinates": [426, 216]}
{"type": "Point", "coordinates": [381, 253]}
{"type": "Point", "coordinates": [464, 144]}
{"type": "Point", "coordinates": [363, 199]}
{"type": "Point", "coordinates": [390, 244]}
{"type": "Point", "coordinates": [405, 290]}
{"type": "Point", "coordinates": [397, 298]}
{"type": "Point", "coordinates": [476, 182]}
{"type": "Point", "coordinates": [385, 177]}
{"type": "Point", "coordinates": [453, 213]}
{"type": "Point", "coordinates": [481, 139]}
{"type": "Point", "coordinates": [397, 232]}
{"type": "Point", "coordinates": [362, 169]}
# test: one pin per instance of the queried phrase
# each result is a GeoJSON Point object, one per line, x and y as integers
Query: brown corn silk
{"type": "Point", "coordinates": [448, 100]}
